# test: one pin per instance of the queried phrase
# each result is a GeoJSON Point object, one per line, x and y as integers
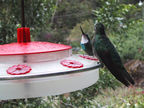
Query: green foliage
{"type": "Point", "coordinates": [66, 15]}
{"type": "Point", "coordinates": [37, 12]}
{"type": "Point", "coordinates": [69, 13]}
{"type": "Point", "coordinates": [47, 102]}
{"type": "Point", "coordinates": [106, 80]}
{"type": "Point", "coordinates": [53, 35]}
{"type": "Point", "coordinates": [108, 98]}
{"type": "Point", "coordinates": [130, 43]}
{"type": "Point", "coordinates": [115, 15]}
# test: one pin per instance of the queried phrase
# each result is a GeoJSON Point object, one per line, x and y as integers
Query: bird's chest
{"type": "Point", "coordinates": [84, 40]}
{"type": "Point", "coordinates": [99, 44]}
{"type": "Point", "coordinates": [99, 47]}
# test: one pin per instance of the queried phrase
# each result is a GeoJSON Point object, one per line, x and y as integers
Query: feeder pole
{"type": "Point", "coordinates": [23, 33]}
{"type": "Point", "coordinates": [22, 11]}
{"type": "Point", "coordinates": [23, 25]}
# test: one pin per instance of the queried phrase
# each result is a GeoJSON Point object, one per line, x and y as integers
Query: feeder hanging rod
{"type": "Point", "coordinates": [22, 11]}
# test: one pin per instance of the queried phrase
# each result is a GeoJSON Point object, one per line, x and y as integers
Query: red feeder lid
{"type": "Point", "coordinates": [25, 46]}
{"type": "Point", "coordinates": [19, 69]}
{"type": "Point", "coordinates": [71, 64]}
{"type": "Point", "coordinates": [89, 57]}
{"type": "Point", "coordinates": [31, 48]}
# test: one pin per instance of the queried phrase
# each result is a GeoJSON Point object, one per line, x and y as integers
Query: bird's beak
{"type": "Point", "coordinates": [84, 35]}
{"type": "Point", "coordinates": [82, 31]}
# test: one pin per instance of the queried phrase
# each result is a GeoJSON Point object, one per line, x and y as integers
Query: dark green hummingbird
{"type": "Point", "coordinates": [103, 49]}
{"type": "Point", "coordinates": [108, 55]}
{"type": "Point", "coordinates": [86, 43]}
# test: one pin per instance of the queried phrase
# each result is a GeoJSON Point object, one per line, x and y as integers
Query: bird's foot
{"type": "Point", "coordinates": [102, 65]}
{"type": "Point", "coordinates": [131, 88]}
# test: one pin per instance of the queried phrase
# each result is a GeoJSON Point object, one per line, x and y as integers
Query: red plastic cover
{"type": "Point", "coordinates": [31, 48]}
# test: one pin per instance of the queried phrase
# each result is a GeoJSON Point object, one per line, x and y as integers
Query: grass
{"type": "Point", "coordinates": [121, 97]}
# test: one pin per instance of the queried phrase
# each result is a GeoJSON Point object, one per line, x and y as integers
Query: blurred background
{"type": "Point", "coordinates": [58, 21]}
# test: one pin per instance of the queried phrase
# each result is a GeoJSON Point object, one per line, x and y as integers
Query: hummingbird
{"type": "Point", "coordinates": [86, 43]}
{"type": "Point", "coordinates": [104, 50]}
{"type": "Point", "coordinates": [108, 55]}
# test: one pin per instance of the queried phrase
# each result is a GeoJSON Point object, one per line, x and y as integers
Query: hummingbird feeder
{"type": "Point", "coordinates": [35, 69]}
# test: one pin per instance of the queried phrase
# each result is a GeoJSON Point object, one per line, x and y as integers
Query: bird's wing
{"type": "Point", "coordinates": [112, 67]}
{"type": "Point", "coordinates": [111, 59]}
{"type": "Point", "coordinates": [119, 65]}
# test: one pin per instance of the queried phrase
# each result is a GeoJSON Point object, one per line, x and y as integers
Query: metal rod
{"type": "Point", "coordinates": [22, 11]}
{"type": "Point", "coordinates": [23, 25]}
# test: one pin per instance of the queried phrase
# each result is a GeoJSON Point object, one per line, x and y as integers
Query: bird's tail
{"type": "Point", "coordinates": [122, 79]}
{"type": "Point", "coordinates": [128, 78]}
{"type": "Point", "coordinates": [122, 75]}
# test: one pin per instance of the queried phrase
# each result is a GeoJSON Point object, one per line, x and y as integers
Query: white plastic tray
{"type": "Point", "coordinates": [47, 78]}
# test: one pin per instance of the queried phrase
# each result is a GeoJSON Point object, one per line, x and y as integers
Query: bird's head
{"type": "Point", "coordinates": [85, 38]}
{"type": "Point", "coordinates": [99, 28]}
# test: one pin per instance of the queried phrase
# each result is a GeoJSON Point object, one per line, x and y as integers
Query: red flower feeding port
{"type": "Point", "coordinates": [43, 64]}
{"type": "Point", "coordinates": [19, 69]}
{"type": "Point", "coordinates": [71, 64]}
{"type": "Point", "coordinates": [88, 57]}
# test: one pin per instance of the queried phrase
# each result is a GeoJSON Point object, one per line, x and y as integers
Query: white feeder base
{"type": "Point", "coordinates": [47, 78]}
{"type": "Point", "coordinates": [47, 86]}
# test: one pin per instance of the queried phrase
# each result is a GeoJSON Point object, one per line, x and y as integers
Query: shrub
{"type": "Point", "coordinates": [115, 15]}
{"type": "Point", "coordinates": [37, 14]}
{"type": "Point", "coordinates": [130, 43]}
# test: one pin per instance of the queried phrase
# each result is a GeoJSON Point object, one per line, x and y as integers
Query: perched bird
{"type": "Point", "coordinates": [107, 54]}
{"type": "Point", "coordinates": [86, 43]}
